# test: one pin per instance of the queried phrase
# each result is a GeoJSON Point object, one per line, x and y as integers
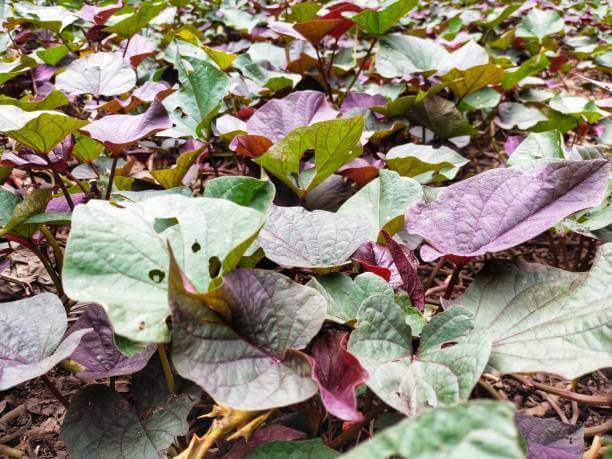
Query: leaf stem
{"type": "Point", "coordinates": [111, 178]}
{"type": "Point", "coordinates": [602, 400]}
{"type": "Point", "coordinates": [57, 251]}
{"type": "Point", "coordinates": [453, 281]}
{"type": "Point", "coordinates": [60, 397]}
{"type": "Point", "coordinates": [166, 367]}
{"type": "Point", "coordinates": [62, 185]}
{"type": "Point", "coordinates": [321, 69]}
{"type": "Point", "coordinates": [47, 264]}
{"type": "Point", "coordinates": [361, 67]}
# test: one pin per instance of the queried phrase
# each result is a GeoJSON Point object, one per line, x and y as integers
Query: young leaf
{"type": "Point", "coordinates": [377, 22]}
{"type": "Point", "coordinates": [97, 352]}
{"type": "Point", "coordinates": [501, 208]}
{"type": "Point", "coordinates": [40, 130]}
{"type": "Point", "coordinates": [293, 236]}
{"type": "Point", "coordinates": [117, 132]}
{"type": "Point", "coordinates": [481, 429]}
{"type": "Point", "coordinates": [117, 254]}
{"type": "Point", "coordinates": [544, 319]}
{"type": "Point", "coordinates": [31, 344]}
{"type": "Point", "coordinates": [425, 163]}
{"type": "Point", "coordinates": [248, 354]}
{"type": "Point", "coordinates": [383, 202]}
{"type": "Point", "coordinates": [173, 177]}
{"type": "Point", "coordinates": [246, 191]}
{"type": "Point", "coordinates": [99, 74]}
{"type": "Point", "coordinates": [334, 142]}
{"type": "Point", "coordinates": [338, 374]}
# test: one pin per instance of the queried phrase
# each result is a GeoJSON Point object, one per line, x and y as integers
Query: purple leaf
{"type": "Point", "coordinates": [60, 205]}
{"type": "Point", "coordinates": [407, 266]}
{"type": "Point", "coordinates": [138, 49]}
{"type": "Point", "coordinates": [502, 208]}
{"type": "Point", "coordinates": [98, 15]}
{"type": "Point", "coordinates": [362, 170]}
{"type": "Point", "coordinates": [118, 132]}
{"type": "Point", "coordinates": [26, 158]}
{"type": "Point", "coordinates": [97, 351]}
{"type": "Point", "coordinates": [376, 258]}
{"type": "Point", "coordinates": [263, 436]}
{"type": "Point", "coordinates": [549, 438]}
{"type": "Point", "coordinates": [279, 117]}
{"type": "Point", "coordinates": [338, 373]}
{"type": "Point", "coordinates": [512, 143]}
{"type": "Point", "coordinates": [361, 100]}
{"type": "Point", "coordinates": [146, 93]}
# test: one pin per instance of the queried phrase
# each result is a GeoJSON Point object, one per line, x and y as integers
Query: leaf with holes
{"type": "Point", "coordinates": [117, 254]}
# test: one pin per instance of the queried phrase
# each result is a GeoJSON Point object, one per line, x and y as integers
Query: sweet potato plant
{"type": "Point", "coordinates": [307, 229]}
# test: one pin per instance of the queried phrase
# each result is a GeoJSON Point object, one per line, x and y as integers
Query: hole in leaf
{"type": "Point", "coordinates": [449, 344]}
{"type": "Point", "coordinates": [214, 267]}
{"type": "Point", "coordinates": [156, 275]}
{"type": "Point", "coordinates": [162, 224]}
{"type": "Point", "coordinates": [196, 247]}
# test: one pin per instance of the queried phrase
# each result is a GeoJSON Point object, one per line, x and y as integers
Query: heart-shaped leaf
{"type": "Point", "coordinates": [101, 423]}
{"type": "Point", "coordinates": [55, 18]}
{"type": "Point", "coordinates": [402, 55]}
{"type": "Point", "coordinates": [540, 318]}
{"type": "Point", "coordinates": [40, 130]}
{"type": "Point", "coordinates": [293, 236]}
{"type": "Point", "coordinates": [439, 116]}
{"type": "Point", "coordinates": [383, 202]}
{"type": "Point", "coordinates": [248, 355]}
{"type": "Point", "coordinates": [100, 74]}
{"type": "Point", "coordinates": [539, 24]}
{"type": "Point", "coordinates": [464, 82]}
{"type": "Point", "coordinates": [117, 132]}
{"type": "Point", "coordinates": [514, 114]}
{"type": "Point", "coordinates": [501, 208]}
{"type": "Point", "coordinates": [31, 343]}
{"type": "Point", "coordinates": [481, 429]}
{"type": "Point", "coordinates": [443, 371]}
{"type": "Point", "coordinates": [117, 254]}
{"type": "Point", "coordinates": [425, 163]}
{"type": "Point", "coordinates": [97, 352]}
{"type": "Point", "coordinates": [334, 142]}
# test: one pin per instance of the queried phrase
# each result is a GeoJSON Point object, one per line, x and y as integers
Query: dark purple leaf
{"type": "Point", "coordinates": [376, 258]}
{"type": "Point", "coordinates": [362, 170]}
{"type": "Point", "coordinates": [60, 205]}
{"type": "Point", "coordinates": [338, 373]}
{"type": "Point", "coordinates": [26, 158]}
{"type": "Point", "coordinates": [549, 438]}
{"type": "Point", "coordinates": [118, 132]}
{"type": "Point", "coordinates": [407, 266]}
{"type": "Point", "coordinates": [97, 351]}
{"type": "Point", "coordinates": [250, 146]}
{"type": "Point", "coordinates": [263, 436]}
{"type": "Point", "coordinates": [502, 208]}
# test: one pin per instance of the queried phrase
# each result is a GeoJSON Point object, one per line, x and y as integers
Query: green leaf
{"type": "Point", "coordinates": [296, 237]}
{"type": "Point", "coordinates": [484, 98]}
{"type": "Point", "coordinates": [40, 130]}
{"type": "Point", "coordinates": [53, 100]}
{"type": "Point", "coordinates": [425, 163]}
{"type": "Point", "coordinates": [8, 202]}
{"type": "Point", "coordinates": [537, 146]}
{"type": "Point", "coordinates": [383, 202]}
{"type": "Point", "coordinates": [132, 22]}
{"type": "Point", "coordinates": [539, 24]}
{"type": "Point", "coordinates": [464, 82]}
{"type": "Point", "coordinates": [222, 58]}
{"type": "Point", "coordinates": [480, 429]}
{"type": "Point", "coordinates": [344, 295]}
{"type": "Point", "coordinates": [173, 177]}
{"type": "Point", "coordinates": [577, 106]}
{"type": "Point", "coordinates": [401, 55]}
{"type": "Point", "coordinates": [440, 116]}
{"type": "Point", "coordinates": [246, 338]}
{"type": "Point", "coordinates": [203, 87]}
{"type": "Point", "coordinates": [514, 114]}
{"type": "Point", "coordinates": [531, 66]}
{"type": "Point", "coordinates": [9, 70]}
{"type": "Point", "coordinates": [443, 371]}
{"type": "Point", "coordinates": [245, 191]}
{"type": "Point", "coordinates": [145, 429]}
{"type": "Point", "coordinates": [86, 149]}
{"type": "Point", "coordinates": [34, 203]}
{"type": "Point", "coordinates": [54, 18]}
{"type": "Point", "coordinates": [540, 318]}
{"type": "Point", "coordinates": [334, 142]}
{"type": "Point", "coordinates": [377, 22]}
{"type": "Point", "coordinates": [53, 55]}
{"type": "Point", "coordinates": [117, 254]}
{"type": "Point", "coordinates": [305, 449]}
